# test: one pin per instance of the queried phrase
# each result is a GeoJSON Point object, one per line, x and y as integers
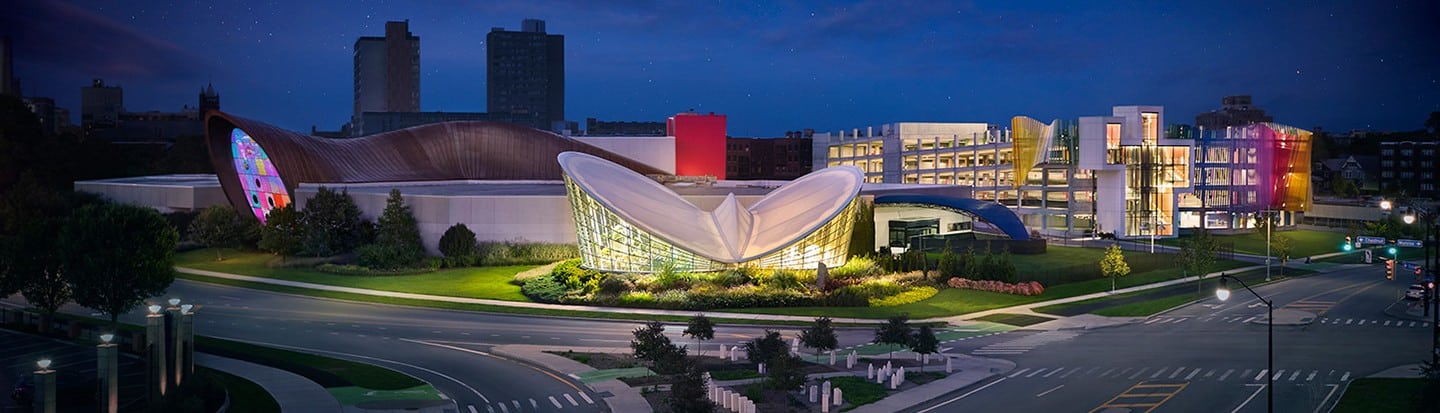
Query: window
{"type": "Point", "coordinates": [1387, 152]}
{"type": "Point", "coordinates": [1150, 126]}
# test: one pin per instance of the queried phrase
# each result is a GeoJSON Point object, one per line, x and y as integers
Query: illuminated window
{"type": "Point", "coordinates": [1149, 126]}
{"type": "Point", "coordinates": [259, 178]}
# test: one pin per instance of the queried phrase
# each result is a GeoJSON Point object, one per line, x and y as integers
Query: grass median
{"type": "Point", "coordinates": [470, 282]}
{"type": "Point", "coordinates": [1304, 242]}
{"type": "Point", "coordinates": [1150, 302]}
{"type": "Point", "coordinates": [1382, 395]}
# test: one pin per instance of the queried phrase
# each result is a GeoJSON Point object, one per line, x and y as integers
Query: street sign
{"type": "Point", "coordinates": [1409, 265]}
{"type": "Point", "coordinates": [1370, 240]}
{"type": "Point", "coordinates": [1408, 243]}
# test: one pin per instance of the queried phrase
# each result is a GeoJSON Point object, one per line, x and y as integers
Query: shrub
{"type": "Point", "coordinates": [544, 289]}
{"type": "Point", "coordinates": [735, 277]}
{"type": "Point", "coordinates": [782, 279]}
{"type": "Point", "coordinates": [912, 295]}
{"type": "Point", "coordinates": [874, 289]}
{"type": "Point", "coordinates": [458, 244]}
{"type": "Point", "coordinates": [518, 253]}
{"type": "Point", "coordinates": [844, 298]}
{"type": "Point", "coordinates": [584, 281]}
{"type": "Point", "coordinates": [332, 223]}
{"type": "Point", "coordinates": [430, 266]}
{"type": "Point", "coordinates": [613, 285]}
{"type": "Point", "coordinates": [1030, 288]}
{"type": "Point", "coordinates": [857, 267]}
{"type": "Point", "coordinates": [636, 299]}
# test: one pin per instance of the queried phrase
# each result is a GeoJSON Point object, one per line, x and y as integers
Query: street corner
{"type": "Point", "coordinates": [980, 363]}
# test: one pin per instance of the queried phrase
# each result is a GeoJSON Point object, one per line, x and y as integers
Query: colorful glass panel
{"type": "Point", "coordinates": [259, 179]}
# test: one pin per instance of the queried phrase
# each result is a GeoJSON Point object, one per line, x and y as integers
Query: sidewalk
{"type": "Point", "coordinates": [291, 391]}
{"type": "Point", "coordinates": [623, 397]}
{"type": "Point", "coordinates": [969, 370]}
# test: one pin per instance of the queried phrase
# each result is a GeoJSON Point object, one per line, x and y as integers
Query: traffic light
{"type": "Point", "coordinates": [1392, 251]}
{"type": "Point", "coordinates": [1389, 269]}
{"type": "Point", "coordinates": [1349, 245]}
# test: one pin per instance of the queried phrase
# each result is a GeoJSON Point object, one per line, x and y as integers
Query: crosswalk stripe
{"type": "Point", "coordinates": [1278, 374]}
{"type": "Point", "coordinates": [587, 398]}
{"type": "Point", "coordinates": [1022, 371]}
{"type": "Point", "coordinates": [1209, 373]}
{"type": "Point", "coordinates": [1387, 323]}
{"type": "Point", "coordinates": [571, 400]}
{"type": "Point", "coordinates": [1346, 377]}
{"type": "Point", "coordinates": [1348, 320]}
{"type": "Point", "coordinates": [1152, 320]}
{"type": "Point", "coordinates": [504, 409]}
{"type": "Point", "coordinates": [1121, 373]}
{"type": "Point", "coordinates": [556, 402]}
{"type": "Point", "coordinates": [1158, 373]}
{"type": "Point", "coordinates": [1227, 374]}
{"type": "Point", "coordinates": [1258, 376]}
{"type": "Point", "coordinates": [1192, 374]}
{"type": "Point", "coordinates": [1180, 320]}
{"type": "Point", "coordinates": [472, 408]}
{"type": "Point", "coordinates": [1033, 373]}
{"type": "Point", "coordinates": [1092, 370]}
{"type": "Point", "coordinates": [1052, 373]}
{"type": "Point", "coordinates": [517, 404]}
{"type": "Point", "coordinates": [1312, 375]}
{"type": "Point", "coordinates": [1294, 375]}
{"type": "Point", "coordinates": [1138, 373]}
{"type": "Point", "coordinates": [490, 409]}
{"type": "Point", "coordinates": [1177, 372]}
{"type": "Point", "coordinates": [1249, 319]}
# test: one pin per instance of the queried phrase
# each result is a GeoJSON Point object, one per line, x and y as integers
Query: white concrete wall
{"type": "Point", "coordinates": [656, 151]}
{"type": "Point", "coordinates": [164, 198]}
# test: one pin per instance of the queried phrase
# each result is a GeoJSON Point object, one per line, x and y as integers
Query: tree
{"type": "Point", "coordinates": [766, 348]}
{"type": "Point", "coordinates": [687, 393]}
{"type": "Point", "coordinates": [925, 342]}
{"type": "Point", "coordinates": [36, 267]}
{"type": "Point", "coordinates": [1002, 268]}
{"type": "Point", "coordinates": [458, 245]}
{"type": "Point", "coordinates": [1265, 220]}
{"type": "Point", "coordinates": [784, 373]}
{"type": "Point", "coordinates": [895, 332]}
{"type": "Point", "coordinates": [284, 231]}
{"type": "Point", "coordinates": [1197, 254]}
{"type": "Point", "coordinates": [701, 329]}
{"type": "Point", "coordinates": [397, 238]}
{"type": "Point", "coordinates": [1281, 246]}
{"type": "Point", "coordinates": [862, 232]}
{"type": "Point", "coordinates": [651, 344]}
{"type": "Point", "coordinates": [1113, 264]}
{"type": "Point", "coordinates": [971, 262]}
{"type": "Point", "coordinates": [108, 278]}
{"type": "Point", "coordinates": [218, 226]}
{"type": "Point", "coordinates": [30, 215]}
{"type": "Point", "coordinates": [820, 336]}
{"type": "Point", "coordinates": [332, 223]}
{"type": "Point", "coordinates": [951, 264]}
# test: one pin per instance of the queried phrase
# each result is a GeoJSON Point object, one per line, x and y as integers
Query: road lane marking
{"type": "Point", "coordinates": [1022, 371]}
{"type": "Point", "coordinates": [557, 402]}
{"type": "Point", "coordinates": [571, 400]}
{"type": "Point", "coordinates": [1346, 377]}
{"type": "Point", "coordinates": [1146, 390]}
{"type": "Point", "coordinates": [1052, 372]}
{"type": "Point", "coordinates": [466, 350]}
{"type": "Point", "coordinates": [1192, 374]}
{"type": "Point", "coordinates": [1249, 319]}
{"type": "Point", "coordinates": [1312, 375]}
{"type": "Point", "coordinates": [942, 404]}
{"type": "Point", "coordinates": [1333, 387]}
{"type": "Point", "coordinates": [443, 375]}
{"type": "Point", "coordinates": [1248, 399]}
{"type": "Point", "coordinates": [472, 408]}
{"type": "Point", "coordinates": [1138, 373]}
{"type": "Point", "coordinates": [1262, 374]}
{"type": "Point", "coordinates": [1071, 372]}
{"type": "Point", "coordinates": [1159, 372]}
{"type": "Point", "coordinates": [1033, 373]}
{"type": "Point", "coordinates": [1048, 391]}
{"type": "Point", "coordinates": [587, 398]}
{"type": "Point", "coordinates": [1177, 372]}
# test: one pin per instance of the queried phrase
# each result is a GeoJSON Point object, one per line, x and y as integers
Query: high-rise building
{"type": "Point", "coordinates": [1234, 111]}
{"type": "Point", "coordinates": [387, 72]}
{"type": "Point", "coordinates": [1408, 168]}
{"type": "Point", "coordinates": [100, 106]}
{"type": "Point", "coordinates": [778, 158]}
{"type": "Point", "coordinates": [699, 143]}
{"type": "Point", "coordinates": [525, 73]}
{"type": "Point", "coordinates": [8, 84]}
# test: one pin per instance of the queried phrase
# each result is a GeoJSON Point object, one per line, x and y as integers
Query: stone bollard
{"type": "Point", "coordinates": [870, 371]}
{"type": "Point", "coordinates": [724, 399]}
{"type": "Point", "coordinates": [761, 366]}
{"type": "Point", "coordinates": [925, 358]}
{"type": "Point", "coordinates": [895, 381]}
{"type": "Point", "coordinates": [832, 357]}
{"type": "Point", "coordinates": [917, 356]}
{"type": "Point", "coordinates": [795, 345]}
{"type": "Point", "coordinates": [850, 361]}
{"type": "Point", "coordinates": [825, 390]}
{"type": "Point", "coordinates": [900, 372]}
{"type": "Point", "coordinates": [825, 401]}
{"type": "Point", "coordinates": [839, 398]}
{"type": "Point", "coordinates": [814, 394]}
{"type": "Point", "coordinates": [734, 399]}
{"type": "Point", "coordinates": [880, 378]}
{"type": "Point", "coordinates": [949, 365]}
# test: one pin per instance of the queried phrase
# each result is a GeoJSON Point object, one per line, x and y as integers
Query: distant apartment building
{"type": "Point", "coordinates": [761, 158]}
{"type": "Point", "coordinates": [100, 106]}
{"type": "Point", "coordinates": [1234, 111]}
{"type": "Point", "coordinates": [596, 127]}
{"type": "Point", "coordinates": [387, 72]}
{"type": "Point", "coordinates": [1409, 168]}
{"type": "Point", "coordinates": [525, 73]}
{"type": "Point", "coordinates": [103, 116]}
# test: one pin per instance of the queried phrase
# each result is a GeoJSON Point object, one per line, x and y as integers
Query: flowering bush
{"type": "Point", "coordinates": [1024, 288]}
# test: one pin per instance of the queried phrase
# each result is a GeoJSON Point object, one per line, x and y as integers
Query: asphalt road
{"type": "Point", "coordinates": [449, 349]}
{"type": "Point", "coordinates": [1210, 356]}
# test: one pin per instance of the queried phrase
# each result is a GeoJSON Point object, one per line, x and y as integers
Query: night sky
{"type": "Point", "coordinates": [771, 67]}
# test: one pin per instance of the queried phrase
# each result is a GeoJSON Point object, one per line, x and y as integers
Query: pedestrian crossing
{"type": "Point", "coordinates": [1347, 321]}
{"type": "Point", "coordinates": [1024, 344]}
{"type": "Point", "coordinates": [549, 403]}
{"type": "Point", "coordinates": [1185, 373]}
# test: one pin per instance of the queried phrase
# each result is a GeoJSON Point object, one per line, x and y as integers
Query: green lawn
{"type": "Point", "coordinates": [858, 391]}
{"type": "Point", "coordinates": [356, 395]}
{"type": "Point", "coordinates": [1146, 308]}
{"type": "Point", "coordinates": [950, 301]}
{"type": "Point", "coordinates": [474, 282]}
{"type": "Point", "coordinates": [1305, 242]}
{"type": "Point", "coordinates": [1380, 395]}
{"type": "Point", "coordinates": [1018, 320]}
{"type": "Point", "coordinates": [326, 371]}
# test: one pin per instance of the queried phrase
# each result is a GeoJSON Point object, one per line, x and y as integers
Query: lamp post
{"type": "Point", "coordinates": [1269, 223]}
{"type": "Point", "coordinates": [1432, 298]}
{"type": "Point", "coordinates": [107, 360]}
{"type": "Point", "coordinates": [1223, 293]}
{"type": "Point", "coordinates": [187, 339]}
{"type": "Point", "coordinates": [155, 354]}
{"type": "Point", "coordinates": [176, 354]}
{"type": "Point", "coordinates": [45, 386]}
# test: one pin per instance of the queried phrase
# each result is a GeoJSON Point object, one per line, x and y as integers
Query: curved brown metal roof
{"type": "Point", "coordinates": [434, 152]}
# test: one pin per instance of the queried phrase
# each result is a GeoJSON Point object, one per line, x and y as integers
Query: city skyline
{"type": "Point", "coordinates": [770, 68]}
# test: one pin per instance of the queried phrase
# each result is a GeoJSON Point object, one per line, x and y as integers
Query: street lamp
{"type": "Point", "coordinates": [1223, 293]}
{"type": "Point", "coordinates": [1411, 215]}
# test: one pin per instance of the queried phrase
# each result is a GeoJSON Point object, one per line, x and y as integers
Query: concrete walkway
{"type": "Point", "coordinates": [291, 391]}
{"type": "Point", "coordinates": [969, 371]}
{"type": "Point", "coordinates": [623, 397]}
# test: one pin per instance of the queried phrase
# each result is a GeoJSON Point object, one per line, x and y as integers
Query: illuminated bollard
{"type": "Point", "coordinates": [870, 372]}
{"type": "Point", "coordinates": [107, 357]}
{"type": "Point", "coordinates": [44, 388]}
{"type": "Point", "coordinates": [949, 365]}
{"type": "Point", "coordinates": [832, 357]}
{"type": "Point", "coordinates": [155, 355]}
{"type": "Point", "coordinates": [839, 398]}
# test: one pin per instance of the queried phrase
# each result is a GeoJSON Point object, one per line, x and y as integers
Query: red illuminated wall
{"type": "Point", "coordinates": [699, 143]}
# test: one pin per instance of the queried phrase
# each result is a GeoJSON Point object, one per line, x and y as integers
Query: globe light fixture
{"type": "Point", "coordinates": [186, 308]}
{"type": "Point", "coordinates": [1409, 218]}
{"type": "Point", "coordinates": [174, 302]}
{"type": "Point", "coordinates": [1223, 292]}
{"type": "Point", "coordinates": [1385, 204]}
{"type": "Point", "coordinates": [106, 338]}
{"type": "Point", "coordinates": [154, 309]}
{"type": "Point", "coordinates": [44, 364]}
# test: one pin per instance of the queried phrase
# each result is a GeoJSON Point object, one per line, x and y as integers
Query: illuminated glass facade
{"type": "Point", "coordinates": [1240, 170]}
{"type": "Point", "coordinates": [259, 178]}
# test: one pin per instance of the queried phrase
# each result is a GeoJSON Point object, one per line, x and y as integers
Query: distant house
{"type": "Point", "coordinates": [1362, 170]}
